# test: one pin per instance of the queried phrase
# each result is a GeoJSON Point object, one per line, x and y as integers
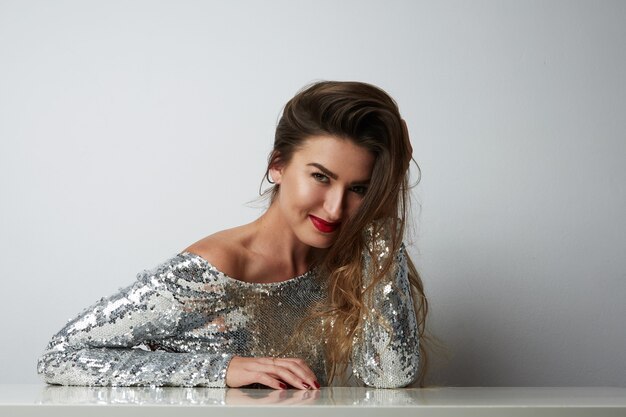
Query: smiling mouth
{"type": "Point", "coordinates": [322, 225]}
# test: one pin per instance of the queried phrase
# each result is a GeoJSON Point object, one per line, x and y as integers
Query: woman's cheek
{"type": "Point", "coordinates": [308, 191]}
{"type": "Point", "coordinates": [354, 203]}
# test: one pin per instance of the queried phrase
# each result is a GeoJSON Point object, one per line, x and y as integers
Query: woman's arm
{"type": "Point", "coordinates": [385, 354]}
{"type": "Point", "coordinates": [107, 343]}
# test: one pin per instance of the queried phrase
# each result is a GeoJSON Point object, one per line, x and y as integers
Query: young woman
{"type": "Point", "coordinates": [320, 283]}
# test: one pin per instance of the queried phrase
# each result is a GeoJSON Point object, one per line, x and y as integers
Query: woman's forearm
{"type": "Point", "coordinates": [385, 352]}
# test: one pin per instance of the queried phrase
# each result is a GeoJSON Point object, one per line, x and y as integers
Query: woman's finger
{"type": "Point", "coordinates": [283, 373]}
{"type": "Point", "coordinates": [301, 368]}
{"type": "Point", "coordinates": [295, 372]}
{"type": "Point", "coordinates": [271, 382]}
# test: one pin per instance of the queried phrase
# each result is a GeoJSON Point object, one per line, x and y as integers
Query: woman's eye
{"type": "Point", "coordinates": [320, 177]}
{"type": "Point", "coordinates": [359, 189]}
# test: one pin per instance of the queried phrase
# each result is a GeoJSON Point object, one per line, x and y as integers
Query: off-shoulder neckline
{"type": "Point", "coordinates": [239, 281]}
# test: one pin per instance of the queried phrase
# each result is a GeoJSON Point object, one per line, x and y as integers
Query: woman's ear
{"type": "Point", "coordinates": [276, 169]}
{"type": "Point", "coordinates": [276, 172]}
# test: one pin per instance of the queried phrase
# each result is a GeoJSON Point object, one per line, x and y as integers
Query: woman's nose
{"type": "Point", "coordinates": [334, 204]}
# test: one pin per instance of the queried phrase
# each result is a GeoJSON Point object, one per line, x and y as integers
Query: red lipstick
{"type": "Point", "coordinates": [322, 225]}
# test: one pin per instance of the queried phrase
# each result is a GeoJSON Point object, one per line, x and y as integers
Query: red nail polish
{"type": "Point", "coordinates": [305, 385]}
{"type": "Point", "coordinates": [317, 384]}
{"type": "Point", "coordinates": [282, 386]}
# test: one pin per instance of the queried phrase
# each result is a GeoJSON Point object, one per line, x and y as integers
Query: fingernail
{"type": "Point", "coordinates": [282, 386]}
{"type": "Point", "coordinates": [317, 384]}
{"type": "Point", "coordinates": [305, 385]}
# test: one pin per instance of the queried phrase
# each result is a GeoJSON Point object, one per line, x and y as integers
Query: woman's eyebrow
{"type": "Point", "coordinates": [323, 169]}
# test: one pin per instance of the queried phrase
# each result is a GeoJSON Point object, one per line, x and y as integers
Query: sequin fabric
{"type": "Point", "coordinates": [180, 323]}
{"type": "Point", "coordinates": [385, 352]}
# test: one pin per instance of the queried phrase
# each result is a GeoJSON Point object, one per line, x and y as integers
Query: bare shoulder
{"type": "Point", "coordinates": [224, 250]}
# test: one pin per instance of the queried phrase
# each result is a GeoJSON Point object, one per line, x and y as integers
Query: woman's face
{"type": "Point", "coordinates": [321, 187]}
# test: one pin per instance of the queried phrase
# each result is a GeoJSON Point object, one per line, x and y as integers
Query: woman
{"type": "Point", "coordinates": [321, 281]}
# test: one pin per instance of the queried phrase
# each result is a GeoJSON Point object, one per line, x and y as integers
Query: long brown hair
{"type": "Point", "coordinates": [369, 117]}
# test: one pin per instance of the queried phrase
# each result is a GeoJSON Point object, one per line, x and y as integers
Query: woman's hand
{"type": "Point", "coordinates": [275, 373]}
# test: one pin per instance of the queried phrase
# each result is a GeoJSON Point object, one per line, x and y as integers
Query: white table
{"type": "Point", "coordinates": [47, 400]}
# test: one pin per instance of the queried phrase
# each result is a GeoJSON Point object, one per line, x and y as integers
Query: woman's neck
{"type": "Point", "coordinates": [274, 239]}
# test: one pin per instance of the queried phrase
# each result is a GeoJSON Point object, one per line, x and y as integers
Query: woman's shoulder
{"type": "Point", "coordinates": [224, 250]}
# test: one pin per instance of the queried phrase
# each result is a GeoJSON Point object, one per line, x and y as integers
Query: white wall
{"type": "Point", "coordinates": [128, 130]}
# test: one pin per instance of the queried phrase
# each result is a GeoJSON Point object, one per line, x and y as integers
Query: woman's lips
{"type": "Point", "coordinates": [322, 225]}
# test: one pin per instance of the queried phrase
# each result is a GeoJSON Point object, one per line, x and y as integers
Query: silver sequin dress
{"type": "Point", "coordinates": [180, 324]}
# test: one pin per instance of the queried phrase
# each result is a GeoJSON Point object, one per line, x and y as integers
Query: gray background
{"type": "Point", "coordinates": [130, 129]}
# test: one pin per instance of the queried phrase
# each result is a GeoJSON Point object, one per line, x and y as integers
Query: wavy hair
{"type": "Point", "coordinates": [369, 117]}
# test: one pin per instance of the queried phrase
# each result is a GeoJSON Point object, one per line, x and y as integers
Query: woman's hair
{"type": "Point", "coordinates": [369, 117]}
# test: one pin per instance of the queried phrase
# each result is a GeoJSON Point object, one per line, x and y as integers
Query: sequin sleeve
{"type": "Point", "coordinates": [385, 353]}
{"type": "Point", "coordinates": [110, 343]}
